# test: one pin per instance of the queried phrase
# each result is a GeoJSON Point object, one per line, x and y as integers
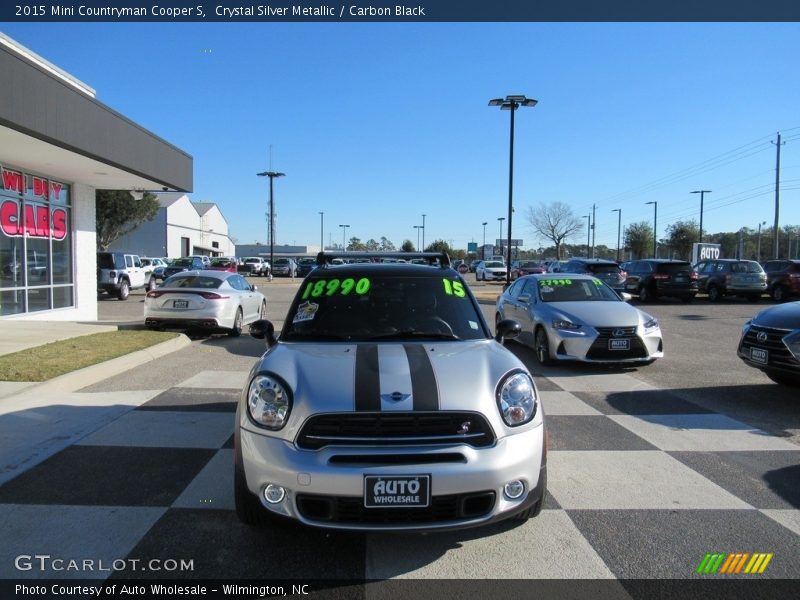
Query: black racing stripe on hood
{"type": "Point", "coordinates": [423, 381]}
{"type": "Point", "coordinates": [368, 385]}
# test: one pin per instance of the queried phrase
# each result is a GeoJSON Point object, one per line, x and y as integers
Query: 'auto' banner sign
{"type": "Point", "coordinates": [705, 252]}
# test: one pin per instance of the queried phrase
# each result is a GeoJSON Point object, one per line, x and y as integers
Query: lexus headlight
{"type": "Point", "coordinates": [650, 324]}
{"type": "Point", "coordinates": [516, 399]}
{"type": "Point", "coordinates": [792, 342]}
{"type": "Point", "coordinates": [268, 402]}
{"type": "Point", "coordinates": [565, 324]}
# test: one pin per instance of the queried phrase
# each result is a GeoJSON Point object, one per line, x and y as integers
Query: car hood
{"type": "Point", "coordinates": [780, 316]}
{"type": "Point", "coordinates": [368, 377]}
{"type": "Point", "coordinates": [597, 314]}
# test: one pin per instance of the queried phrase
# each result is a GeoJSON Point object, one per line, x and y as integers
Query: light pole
{"type": "Point", "coordinates": [501, 219]}
{"type": "Point", "coordinates": [271, 229]}
{"type": "Point", "coordinates": [588, 234]}
{"type": "Point", "coordinates": [483, 248]}
{"type": "Point", "coordinates": [321, 234]}
{"type": "Point", "coordinates": [423, 233]}
{"type": "Point", "coordinates": [759, 239]}
{"type": "Point", "coordinates": [702, 193]}
{"type": "Point", "coordinates": [619, 227]}
{"type": "Point", "coordinates": [344, 230]}
{"type": "Point", "coordinates": [655, 227]}
{"type": "Point", "coordinates": [511, 103]}
{"type": "Point", "coordinates": [418, 227]}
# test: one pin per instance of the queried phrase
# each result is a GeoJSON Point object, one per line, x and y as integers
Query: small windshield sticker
{"type": "Point", "coordinates": [547, 290]}
{"type": "Point", "coordinates": [305, 312]}
{"type": "Point", "coordinates": [473, 325]}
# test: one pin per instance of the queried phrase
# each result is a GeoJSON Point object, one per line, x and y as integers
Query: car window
{"type": "Point", "coordinates": [494, 264]}
{"type": "Point", "coordinates": [529, 289]}
{"type": "Point", "coordinates": [369, 307]}
{"type": "Point", "coordinates": [106, 261]}
{"type": "Point", "coordinates": [673, 268]}
{"type": "Point", "coordinates": [516, 288]}
{"type": "Point", "coordinates": [181, 262]}
{"type": "Point", "coordinates": [746, 266]}
{"type": "Point", "coordinates": [575, 290]}
{"type": "Point", "coordinates": [192, 281]}
{"type": "Point", "coordinates": [129, 261]}
{"type": "Point", "coordinates": [602, 269]}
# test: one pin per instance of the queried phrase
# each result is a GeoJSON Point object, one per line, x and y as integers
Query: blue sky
{"type": "Point", "coordinates": [378, 123]}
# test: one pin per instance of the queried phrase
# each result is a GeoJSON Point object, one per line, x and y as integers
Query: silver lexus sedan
{"type": "Point", "coordinates": [573, 317]}
{"type": "Point", "coordinates": [387, 405]}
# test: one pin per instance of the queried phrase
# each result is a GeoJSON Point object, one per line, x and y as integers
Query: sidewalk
{"type": "Point", "coordinates": [19, 335]}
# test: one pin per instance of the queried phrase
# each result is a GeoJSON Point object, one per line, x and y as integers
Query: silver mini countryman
{"type": "Point", "coordinates": [386, 404]}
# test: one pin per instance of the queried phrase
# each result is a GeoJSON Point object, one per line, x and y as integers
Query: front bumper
{"type": "Point", "coordinates": [592, 346]}
{"type": "Point", "coordinates": [326, 478]}
{"type": "Point", "coordinates": [768, 354]}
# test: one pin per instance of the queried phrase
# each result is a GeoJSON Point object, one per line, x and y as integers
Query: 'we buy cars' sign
{"type": "Point", "coordinates": [34, 220]}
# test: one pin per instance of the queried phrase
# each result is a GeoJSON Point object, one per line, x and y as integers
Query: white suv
{"type": "Point", "coordinates": [119, 273]}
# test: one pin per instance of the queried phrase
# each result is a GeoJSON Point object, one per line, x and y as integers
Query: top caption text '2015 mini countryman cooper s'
{"type": "Point", "coordinates": [386, 404]}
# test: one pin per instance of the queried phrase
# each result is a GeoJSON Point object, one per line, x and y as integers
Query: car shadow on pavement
{"type": "Point", "coordinates": [243, 345]}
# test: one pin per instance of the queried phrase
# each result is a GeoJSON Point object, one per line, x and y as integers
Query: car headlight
{"type": "Point", "coordinates": [268, 402]}
{"type": "Point", "coordinates": [516, 399]}
{"type": "Point", "coordinates": [565, 324]}
{"type": "Point", "coordinates": [792, 342]}
{"type": "Point", "coordinates": [746, 327]}
{"type": "Point", "coordinates": [650, 324]}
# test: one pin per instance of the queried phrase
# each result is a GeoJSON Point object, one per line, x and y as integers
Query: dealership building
{"type": "Point", "coordinates": [58, 145]}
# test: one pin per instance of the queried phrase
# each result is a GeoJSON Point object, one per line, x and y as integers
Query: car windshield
{"type": "Point", "coordinates": [250, 261]}
{"type": "Point", "coordinates": [192, 281]}
{"type": "Point", "coordinates": [575, 290]}
{"type": "Point", "coordinates": [282, 261]}
{"type": "Point", "coordinates": [220, 262]}
{"type": "Point", "coordinates": [362, 307]}
{"type": "Point", "coordinates": [673, 268]}
{"type": "Point", "coordinates": [307, 261]}
{"type": "Point", "coordinates": [106, 261]}
{"type": "Point", "coordinates": [182, 262]}
{"type": "Point", "coordinates": [529, 264]}
{"type": "Point", "coordinates": [746, 267]}
{"type": "Point", "coordinates": [493, 264]}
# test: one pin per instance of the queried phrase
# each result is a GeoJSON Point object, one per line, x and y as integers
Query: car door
{"type": "Point", "coordinates": [135, 270]}
{"type": "Point", "coordinates": [250, 300]}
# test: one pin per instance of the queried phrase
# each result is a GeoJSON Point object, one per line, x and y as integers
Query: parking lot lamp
{"type": "Point", "coordinates": [321, 234]}
{"type": "Point", "coordinates": [501, 219]}
{"type": "Point", "coordinates": [483, 248]}
{"type": "Point", "coordinates": [271, 229]}
{"type": "Point", "coordinates": [759, 239]}
{"type": "Point", "coordinates": [655, 227]}
{"type": "Point", "coordinates": [423, 234]}
{"type": "Point", "coordinates": [702, 193]}
{"type": "Point", "coordinates": [511, 104]}
{"type": "Point", "coordinates": [588, 234]}
{"type": "Point", "coordinates": [344, 230]}
{"type": "Point", "coordinates": [418, 227]}
{"type": "Point", "coordinates": [619, 227]}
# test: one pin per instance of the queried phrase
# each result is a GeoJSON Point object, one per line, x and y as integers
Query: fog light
{"type": "Point", "coordinates": [514, 489]}
{"type": "Point", "coordinates": [274, 494]}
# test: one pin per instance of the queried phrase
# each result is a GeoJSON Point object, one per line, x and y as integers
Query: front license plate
{"type": "Point", "coordinates": [387, 491]}
{"type": "Point", "coordinates": [619, 344]}
{"type": "Point", "coordinates": [180, 304]}
{"type": "Point", "coordinates": [759, 355]}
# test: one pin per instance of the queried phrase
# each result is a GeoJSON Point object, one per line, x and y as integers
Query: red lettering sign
{"type": "Point", "coordinates": [55, 188]}
{"type": "Point", "coordinates": [13, 181]}
{"type": "Point", "coordinates": [39, 221]}
{"type": "Point", "coordinates": [40, 187]}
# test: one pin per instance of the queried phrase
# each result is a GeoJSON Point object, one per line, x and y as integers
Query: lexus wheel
{"type": "Point", "coordinates": [714, 294]}
{"type": "Point", "coordinates": [779, 293]}
{"type": "Point", "coordinates": [236, 330]}
{"type": "Point", "coordinates": [542, 347]}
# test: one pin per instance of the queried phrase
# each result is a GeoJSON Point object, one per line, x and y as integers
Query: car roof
{"type": "Point", "coordinates": [205, 273]}
{"type": "Point", "coordinates": [604, 261]}
{"type": "Point", "coordinates": [392, 269]}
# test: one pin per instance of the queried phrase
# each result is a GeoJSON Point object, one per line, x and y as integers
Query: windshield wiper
{"type": "Point", "coordinates": [412, 333]}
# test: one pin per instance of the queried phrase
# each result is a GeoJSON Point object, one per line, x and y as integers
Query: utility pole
{"type": "Point", "coordinates": [702, 193]}
{"type": "Point", "coordinates": [778, 145]}
{"type": "Point", "coordinates": [588, 233]}
{"type": "Point", "coordinates": [594, 227]}
{"type": "Point", "coordinates": [619, 228]}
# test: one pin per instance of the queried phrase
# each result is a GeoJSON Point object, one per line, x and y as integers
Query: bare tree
{"type": "Point", "coordinates": [554, 222]}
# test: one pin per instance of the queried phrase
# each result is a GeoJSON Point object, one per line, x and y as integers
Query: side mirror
{"type": "Point", "coordinates": [524, 298]}
{"type": "Point", "coordinates": [625, 296]}
{"type": "Point", "coordinates": [253, 288]}
{"type": "Point", "coordinates": [507, 329]}
{"type": "Point", "coordinates": [263, 330]}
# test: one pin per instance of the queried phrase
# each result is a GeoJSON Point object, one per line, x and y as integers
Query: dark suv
{"type": "Point", "coordinates": [771, 342]}
{"type": "Point", "coordinates": [606, 270]}
{"type": "Point", "coordinates": [660, 277]}
{"type": "Point", "coordinates": [730, 276]}
{"type": "Point", "coordinates": [783, 279]}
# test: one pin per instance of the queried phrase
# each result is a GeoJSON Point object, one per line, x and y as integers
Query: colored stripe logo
{"type": "Point", "coordinates": [734, 563]}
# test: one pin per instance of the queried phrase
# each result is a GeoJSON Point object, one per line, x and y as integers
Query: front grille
{"type": "Point", "coordinates": [395, 429]}
{"type": "Point", "coordinates": [599, 348]}
{"type": "Point", "coordinates": [779, 355]}
{"type": "Point", "coordinates": [398, 459]}
{"type": "Point", "coordinates": [351, 510]}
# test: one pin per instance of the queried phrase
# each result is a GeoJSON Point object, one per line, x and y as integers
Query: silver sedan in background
{"type": "Point", "coordinates": [211, 300]}
{"type": "Point", "coordinates": [573, 317]}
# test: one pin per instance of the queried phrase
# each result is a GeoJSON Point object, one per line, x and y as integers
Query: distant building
{"type": "Point", "coordinates": [243, 250]}
{"type": "Point", "coordinates": [180, 228]}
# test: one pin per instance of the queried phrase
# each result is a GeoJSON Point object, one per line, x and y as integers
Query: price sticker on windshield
{"type": "Point", "coordinates": [330, 287]}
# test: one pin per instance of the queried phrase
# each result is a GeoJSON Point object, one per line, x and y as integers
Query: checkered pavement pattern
{"type": "Point", "coordinates": [642, 484]}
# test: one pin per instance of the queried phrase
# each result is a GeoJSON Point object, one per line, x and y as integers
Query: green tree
{"type": "Point", "coordinates": [639, 239]}
{"type": "Point", "coordinates": [407, 246]}
{"type": "Point", "coordinates": [387, 245]}
{"type": "Point", "coordinates": [439, 246]}
{"type": "Point", "coordinates": [355, 245]}
{"type": "Point", "coordinates": [372, 245]}
{"type": "Point", "coordinates": [117, 214]}
{"type": "Point", "coordinates": [555, 222]}
{"type": "Point", "coordinates": [680, 237]}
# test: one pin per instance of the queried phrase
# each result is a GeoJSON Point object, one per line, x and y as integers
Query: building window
{"type": "Point", "coordinates": [36, 271]}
